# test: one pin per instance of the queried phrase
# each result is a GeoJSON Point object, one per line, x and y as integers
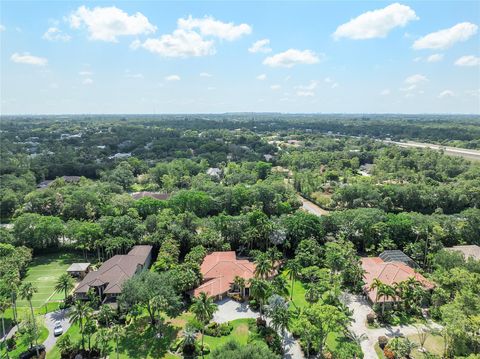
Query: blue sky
{"type": "Point", "coordinates": [201, 57]}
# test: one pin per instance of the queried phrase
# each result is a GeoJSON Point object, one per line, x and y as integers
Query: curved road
{"type": "Point", "coordinates": [50, 319]}
{"type": "Point", "coordinates": [454, 151]}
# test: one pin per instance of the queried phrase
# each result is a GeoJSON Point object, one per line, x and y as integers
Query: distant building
{"type": "Point", "coordinates": [67, 179]}
{"type": "Point", "coordinates": [468, 251]}
{"type": "Point", "coordinates": [78, 270]}
{"type": "Point", "coordinates": [219, 270]}
{"type": "Point", "coordinates": [268, 157]}
{"type": "Point", "coordinates": [394, 269]}
{"type": "Point", "coordinates": [154, 195]}
{"type": "Point", "coordinates": [120, 155]}
{"type": "Point", "coordinates": [107, 281]}
{"type": "Point", "coordinates": [214, 172]}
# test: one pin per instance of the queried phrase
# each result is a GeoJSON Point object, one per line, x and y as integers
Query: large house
{"type": "Point", "coordinates": [107, 281]}
{"type": "Point", "coordinates": [219, 270]}
{"type": "Point", "coordinates": [468, 251]}
{"type": "Point", "coordinates": [389, 270]}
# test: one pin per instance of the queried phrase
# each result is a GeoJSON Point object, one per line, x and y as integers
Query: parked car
{"type": "Point", "coordinates": [57, 330]}
{"type": "Point", "coordinates": [30, 353]}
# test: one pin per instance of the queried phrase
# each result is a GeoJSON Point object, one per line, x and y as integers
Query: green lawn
{"type": "Point", "coordinates": [239, 333]}
{"type": "Point", "coordinates": [43, 272]}
{"type": "Point", "coordinates": [433, 344]}
{"type": "Point", "coordinates": [298, 299]}
{"type": "Point", "coordinates": [23, 345]}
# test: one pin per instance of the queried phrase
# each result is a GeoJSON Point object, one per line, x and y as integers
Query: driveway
{"type": "Point", "coordinates": [360, 308]}
{"type": "Point", "coordinates": [50, 319]}
{"type": "Point", "coordinates": [229, 309]}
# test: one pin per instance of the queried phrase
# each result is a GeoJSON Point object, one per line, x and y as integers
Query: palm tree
{"type": "Point", "coordinates": [260, 290]}
{"type": "Point", "coordinates": [79, 312]}
{"type": "Point", "coordinates": [239, 283]}
{"type": "Point", "coordinates": [263, 266]}
{"type": "Point", "coordinates": [312, 295]}
{"type": "Point", "coordinates": [64, 284]}
{"type": "Point", "coordinates": [102, 339]}
{"type": "Point", "coordinates": [376, 284]}
{"type": "Point", "coordinates": [293, 269]}
{"type": "Point", "coordinates": [106, 314]}
{"type": "Point", "coordinates": [117, 332]}
{"type": "Point", "coordinates": [27, 290]}
{"type": "Point", "coordinates": [277, 311]}
{"type": "Point", "coordinates": [385, 291]}
{"type": "Point", "coordinates": [4, 304]}
{"type": "Point", "coordinates": [189, 337]}
{"type": "Point", "coordinates": [203, 308]}
{"type": "Point", "coordinates": [280, 286]}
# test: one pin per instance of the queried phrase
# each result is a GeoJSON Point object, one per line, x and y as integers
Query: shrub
{"type": "Point", "coordinates": [11, 343]}
{"type": "Point", "coordinates": [253, 304]}
{"type": "Point", "coordinates": [382, 342]}
{"type": "Point", "coordinates": [218, 330]}
{"type": "Point", "coordinates": [371, 318]}
{"type": "Point", "coordinates": [388, 353]}
{"type": "Point", "coordinates": [175, 345]}
{"type": "Point", "coordinates": [347, 349]}
{"type": "Point", "coordinates": [261, 323]}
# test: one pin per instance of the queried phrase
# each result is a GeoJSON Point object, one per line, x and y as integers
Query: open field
{"type": "Point", "coordinates": [43, 272]}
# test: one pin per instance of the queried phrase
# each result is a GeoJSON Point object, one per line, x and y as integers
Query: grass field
{"type": "Point", "coordinates": [43, 272]}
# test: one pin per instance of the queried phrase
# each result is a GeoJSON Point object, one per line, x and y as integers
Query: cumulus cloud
{"type": "Point", "coordinates": [376, 23]}
{"type": "Point", "coordinates": [435, 58]}
{"type": "Point", "coordinates": [262, 77]}
{"type": "Point", "coordinates": [28, 59]}
{"type": "Point", "coordinates": [469, 60]}
{"type": "Point", "coordinates": [446, 93]}
{"type": "Point", "coordinates": [87, 81]}
{"type": "Point", "coordinates": [275, 87]}
{"type": "Point", "coordinates": [180, 43]}
{"type": "Point", "coordinates": [55, 34]}
{"type": "Point", "coordinates": [205, 74]}
{"type": "Point", "coordinates": [172, 78]}
{"type": "Point", "coordinates": [292, 57]}
{"type": "Point", "coordinates": [208, 26]}
{"type": "Point", "coordinates": [445, 38]}
{"type": "Point", "coordinates": [305, 93]}
{"type": "Point", "coordinates": [2, 28]}
{"type": "Point", "coordinates": [312, 85]}
{"type": "Point", "coordinates": [108, 23]}
{"type": "Point", "coordinates": [85, 73]}
{"type": "Point", "coordinates": [260, 46]}
{"type": "Point", "coordinates": [415, 79]}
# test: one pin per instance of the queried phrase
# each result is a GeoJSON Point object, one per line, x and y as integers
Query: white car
{"type": "Point", "coordinates": [58, 330]}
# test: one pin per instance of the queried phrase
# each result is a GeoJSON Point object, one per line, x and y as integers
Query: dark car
{"type": "Point", "coordinates": [32, 352]}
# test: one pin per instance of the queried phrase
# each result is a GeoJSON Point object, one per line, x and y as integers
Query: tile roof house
{"type": "Point", "coordinates": [469, 251]}
{"type": "Point", "coordinates": [109, 278]}
{"type": "Point", "coordinates": [78, 269]}
{"type": "Point", "coordinates": [219, 270]}
{"type": "Point", "coordinates": [388, 273]}
{"type": "Point", "coordinates": [154, 195]}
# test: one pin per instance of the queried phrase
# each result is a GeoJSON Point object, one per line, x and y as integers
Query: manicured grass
{"type": "Point", "coordinates": [43, 272]}
{"type": "Point", "coordinates": [239, 333]}
{"type": "Point", "coordinates": [298, 299]}
{"type": "Point", "coordinates": [433, 344]}
{"type": "Point", "coordinates": [23, 345]}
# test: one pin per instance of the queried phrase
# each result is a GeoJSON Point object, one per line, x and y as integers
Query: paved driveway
{"type": "Point", "coordinates": [229, 309]}
{"type": "Point", "coordinates": [50, 319]}
{"type": "Point", "coordinates": [361, 308]}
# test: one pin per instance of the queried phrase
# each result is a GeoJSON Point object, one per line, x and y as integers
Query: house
{"type": "Point", "coordinates": [219, 270]}
{"type": "Point", "coordinates": [395, 255]}
{"type": "Point", "coordinates": [214, 172]}
{"type": "Point", "coordinates": [107, 281]}
{"type": "Point", "coordinates": [154, 195]}
{"type": "Point", "coordinates": [388, 272]}
{"type": "Point", "coordinates": [67, 179]}
{"type": "Point", "coordinates": [468, 251]}
{"type": "Point", "coordinates": [78, 270]}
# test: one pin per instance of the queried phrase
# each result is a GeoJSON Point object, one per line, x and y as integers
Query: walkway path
{"type": "Point", "coordinates": [312, 208]}
{"type": "Point", "coordinates": [360, 308]}
{"type": "Point", "coordinates": [230, 310]}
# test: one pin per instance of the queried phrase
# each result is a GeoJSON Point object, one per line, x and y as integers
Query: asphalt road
{"type": "Point", "coordinates": [50, 319]}
{"type": "Point", "coordinates": [454, 151]}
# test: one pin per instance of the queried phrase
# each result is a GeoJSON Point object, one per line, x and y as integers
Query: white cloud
{"type": "Point", "coordinates": [305, 93]}
{"type": "Point", "coordinates": [107, 23]}
{"type": "Point", "coordinates": [205, 74]}
{"type": "Point", "coordinates": [28, 59]}
{"type": "Point", "coordinates": [260, 46]}
{"type": "Point", "coordinates": [55, 34]}
{"type": "Point", "coordinates": [85, 73]}
{"type": "Point", "coordinates": [435, 58]}
{"type": "Point", "coordinates": [275, 87]}
{"type": "Point", "coordinates": [180, 43]}
{"type": "Point", "coordinates": [208, 26]}
{"type": "Point", "coordinates": [262, 77]}
{"type": "Point", "coordinates": [2, 28]}
{"type": "Point", "coordinates": [87, 81]}
{"type": "Point", "coordinates": [376, 23]}
{"type": "Point", "coordinates": [292, 57]}
{"type": "Point", "coordinates": [469, 60]}
{"type": "Point", "coordinates": [415, 79]}
{"type": "Point", "coordinates": [313, 84]}
{"type": "Point", "coordinates": [446, 93]}
{"type": "Point", "coordinates": [335, 85]}
{"type": "Point", "coordinates": [445, 38]}
{"type": "Point", "coordinates": [385, 92]}
{"type": "Point", "coordinates": [172, 78]}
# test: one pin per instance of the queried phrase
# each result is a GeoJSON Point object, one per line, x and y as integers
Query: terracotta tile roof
{"type": "Point", "coordinates": [219, 269]}
{"type": "Point", "coordinates": [388, 273]}
{"type": "Point", "coordinates": [115, 271]}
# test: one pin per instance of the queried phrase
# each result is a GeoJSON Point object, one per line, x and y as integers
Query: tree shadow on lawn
{"type": "Point", "coordinates": [63, 258]}
{"type": "Point", "coordinates": [140, 340]}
